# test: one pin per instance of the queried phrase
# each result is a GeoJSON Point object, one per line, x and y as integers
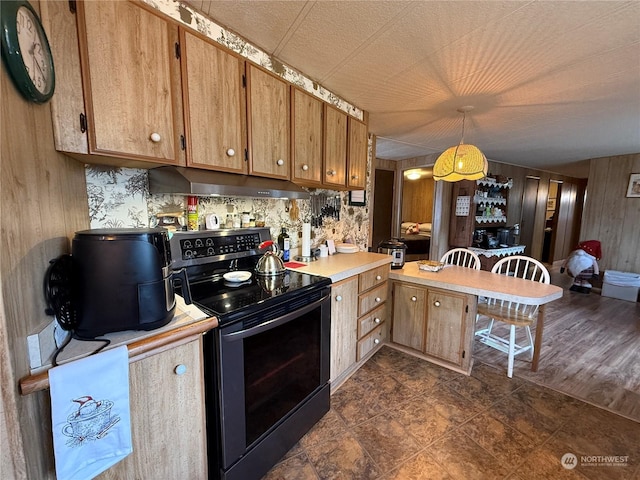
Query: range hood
{"type": "Point", "coordinates": [193, 181]}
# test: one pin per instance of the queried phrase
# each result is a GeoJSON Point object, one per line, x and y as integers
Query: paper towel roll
{"type": "Point", "coordinates": [306, 240]}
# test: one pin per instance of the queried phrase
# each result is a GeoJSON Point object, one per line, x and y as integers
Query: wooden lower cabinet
{"type": "Point", "coordinates": [344, 311]}
{"type": "Point", "coordinates": [167, 417]}
{"type": "Point", "coordinates": [359, 325]}
{"type": "Point", "coordinates": [436, 323]}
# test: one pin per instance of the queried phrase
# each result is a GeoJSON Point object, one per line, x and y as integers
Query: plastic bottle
{"type": "Point", "coordinates": [283, 243]}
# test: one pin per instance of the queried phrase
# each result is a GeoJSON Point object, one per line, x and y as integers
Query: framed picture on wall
{"type": "Point", "coordinates": [633, 190]}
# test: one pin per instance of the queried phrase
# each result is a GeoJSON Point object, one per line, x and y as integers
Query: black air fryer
{"type": "Point", "coordinates": [123, 280]}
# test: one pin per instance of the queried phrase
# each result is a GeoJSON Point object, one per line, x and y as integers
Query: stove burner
{"type": "Point", "coordinates": [230, 301]}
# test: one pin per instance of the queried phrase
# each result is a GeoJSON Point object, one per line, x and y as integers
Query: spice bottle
{"type": "Point", "coordinates": [284, 244]}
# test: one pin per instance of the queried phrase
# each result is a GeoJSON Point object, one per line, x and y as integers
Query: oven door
{"type": "Point", "coordinates": [270, 365]}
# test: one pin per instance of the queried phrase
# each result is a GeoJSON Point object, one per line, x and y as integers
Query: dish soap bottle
{"type": "Point", "coordinates": [283, 243]}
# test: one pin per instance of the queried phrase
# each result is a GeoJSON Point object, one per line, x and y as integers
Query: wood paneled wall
{"type": "Point", "coordinates": [514, 214]}
{"type": "Point", "coordinates": [43, 202]}
{"type": "Point", "coordinates": [611, 217]}
{"type": "Point", "coordinates": [417, 200]}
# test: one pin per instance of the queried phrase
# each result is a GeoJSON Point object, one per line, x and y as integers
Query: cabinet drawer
{"type": "Point", "coordinates": [372, 320]}
{"type": "Point", "coordinates": [373, 277]}
{"type": "Point", "coordinates": [370, 300]}
{"type": "Point", "coordinates": [375, 338]}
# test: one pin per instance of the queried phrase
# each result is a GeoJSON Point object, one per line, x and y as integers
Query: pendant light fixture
{"type": "Point", "coordinates": [462, 161]}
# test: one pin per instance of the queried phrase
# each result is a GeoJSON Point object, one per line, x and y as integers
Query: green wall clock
{"type": "Point", "coordinates": [26, 51]}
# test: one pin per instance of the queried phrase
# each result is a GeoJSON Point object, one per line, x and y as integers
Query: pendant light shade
{"type": "Point", "coordinates": [461, 162]}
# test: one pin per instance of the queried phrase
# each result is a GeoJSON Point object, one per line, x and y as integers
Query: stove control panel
{"type": "Point", "coordinates": [214, 245]}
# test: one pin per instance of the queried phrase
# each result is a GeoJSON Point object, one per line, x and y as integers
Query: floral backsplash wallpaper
{"type": "Point", "coordinates": [120, 198]}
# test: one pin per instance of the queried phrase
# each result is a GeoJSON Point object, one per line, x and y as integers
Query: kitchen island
{"type": "Point", "coordinates": [434, 312]}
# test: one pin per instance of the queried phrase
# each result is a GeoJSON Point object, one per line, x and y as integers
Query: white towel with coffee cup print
{"type": "Point", "coordinates": [90, 414]}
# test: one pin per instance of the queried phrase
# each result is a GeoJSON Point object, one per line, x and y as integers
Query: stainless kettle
{"type": "Point", "coordinates": [270, 263]}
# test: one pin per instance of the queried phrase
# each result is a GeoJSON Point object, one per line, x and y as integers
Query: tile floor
{"type": "Point", "coordinates": [399, 417]}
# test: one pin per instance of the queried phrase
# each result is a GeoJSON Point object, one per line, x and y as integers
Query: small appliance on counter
{"type": "Point", "coordinates": [114, 280]}
{"type": "Point", "coordinates": [396, 249]}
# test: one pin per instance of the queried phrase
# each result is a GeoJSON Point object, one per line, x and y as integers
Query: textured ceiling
{"type": "Point", "coordinates": [552, 82]}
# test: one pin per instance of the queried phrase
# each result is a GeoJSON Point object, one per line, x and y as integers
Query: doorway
{"type": "Point", "coordinates": [529, 206]}
{"type": "Point", "coordinates": [382, 207]}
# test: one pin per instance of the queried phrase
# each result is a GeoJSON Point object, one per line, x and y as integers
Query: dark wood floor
{"type": "Point", "coordinates": [590, 350]}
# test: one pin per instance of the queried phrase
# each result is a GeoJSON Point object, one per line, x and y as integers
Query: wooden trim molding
{"type": "Point", "coordinates": [138, 350]}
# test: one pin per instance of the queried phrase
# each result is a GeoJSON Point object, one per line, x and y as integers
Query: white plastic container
{"type": "Point", "coordinates": [621, 285]}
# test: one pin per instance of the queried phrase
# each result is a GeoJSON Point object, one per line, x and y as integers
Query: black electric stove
{"type": "Point", "coordinates": [207, 255]}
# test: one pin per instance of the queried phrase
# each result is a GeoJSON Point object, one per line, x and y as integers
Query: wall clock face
{"type": "Point", "coordinates": [26, 51]}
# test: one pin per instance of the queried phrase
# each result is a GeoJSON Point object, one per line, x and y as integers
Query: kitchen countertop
{"type": "Point", "coordinates": [188, 323]}
{"type": "Point", "coordinates": [479, 282]}
{"type": "Point", "coordinates": [344, 265]}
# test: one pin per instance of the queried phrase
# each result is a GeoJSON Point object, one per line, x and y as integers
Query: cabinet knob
{"type": "Point", "coordinates": [155, 137]}
{"type": "Point", "coordinates": [305, 167]}
{"type": "Point", "coordinates": [436, 303]}
{"type": "Point", "coordinates": [376, 341]}
{"type": "Point", "coordinates": [180, 369]}
{"type": "Point", "coordinates": [231, 152]}
{"type": "Point", "coordinates": [376, 320]}
{"type": "Point", "coordinates": [280, 162]}
{"type": "Point", "coordinates": [378, 299]}
{"type": "Point", "coordinates": [338, 298]}
{"type": "Point", "coordinates": [354, 177]}
{"type": "Point", "coordinates": [378, 277]}
{"type": "Point", "coordinates": [414, 299]}
{"type": "Point", "coordinates": [331, 173]}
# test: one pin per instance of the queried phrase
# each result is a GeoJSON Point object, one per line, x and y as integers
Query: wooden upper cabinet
{"type": "Point", "coordinates": [268, 124]}
{"type": "Point", "coordinates": [335, 147]}
{"type": "Point", "coordinates": [131, 82]}
{"type": "Point", "coordinates": [357, 155]}
{"type": "Point", "coordinates": [306, 138]}
{"type": "Point", "coordinates": [214, 105]}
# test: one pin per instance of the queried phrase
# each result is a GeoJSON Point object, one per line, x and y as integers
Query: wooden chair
{"type": "Point", "coordinates": [461, 257]}
{"type": "Point", "coordinates": [512, 313]}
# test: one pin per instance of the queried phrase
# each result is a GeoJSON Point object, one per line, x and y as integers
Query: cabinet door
{"type": "Point", "coordinates": [344, 325]}
{"type": "Point", "coordinates": [129, 68]}
{"type": "Point", "coordinates": [335, 147]}
{"type": "Point", "coordinates": [214, 105]}
{"type": "Point", "coordinates": [306, 138]}
{"type": "Point", "coordinates": [268, 124]}
{"type": "Point", "coordinates": [358, 153]}
{"type": "Point", "coordinates": [408, 316]}
{"type": "Point", "coordinates": [167, 417]}
{"type": "Point", "coordinates": [445, 326]}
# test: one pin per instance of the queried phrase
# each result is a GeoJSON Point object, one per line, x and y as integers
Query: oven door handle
{"type": "Point", "coordinates": [276, 322]}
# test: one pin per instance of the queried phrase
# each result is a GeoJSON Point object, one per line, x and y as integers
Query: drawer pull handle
{"type": "Point", "coordinates": [338, 298]}
{"type": "Point", "coordinates": [378, 299]}
{"type": "Point", "coordinates": [180, 369]}
{"type": "Point", "coordinates": [378, 277]}
{"type": "Point", "coordinates": [436, 303]}
{"type": "Point", "coordinates": [414, 299]}
{"type": "Point", "coordinates": [376, 320]}
{"type": "Point", "coordinates": [376, 341]}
